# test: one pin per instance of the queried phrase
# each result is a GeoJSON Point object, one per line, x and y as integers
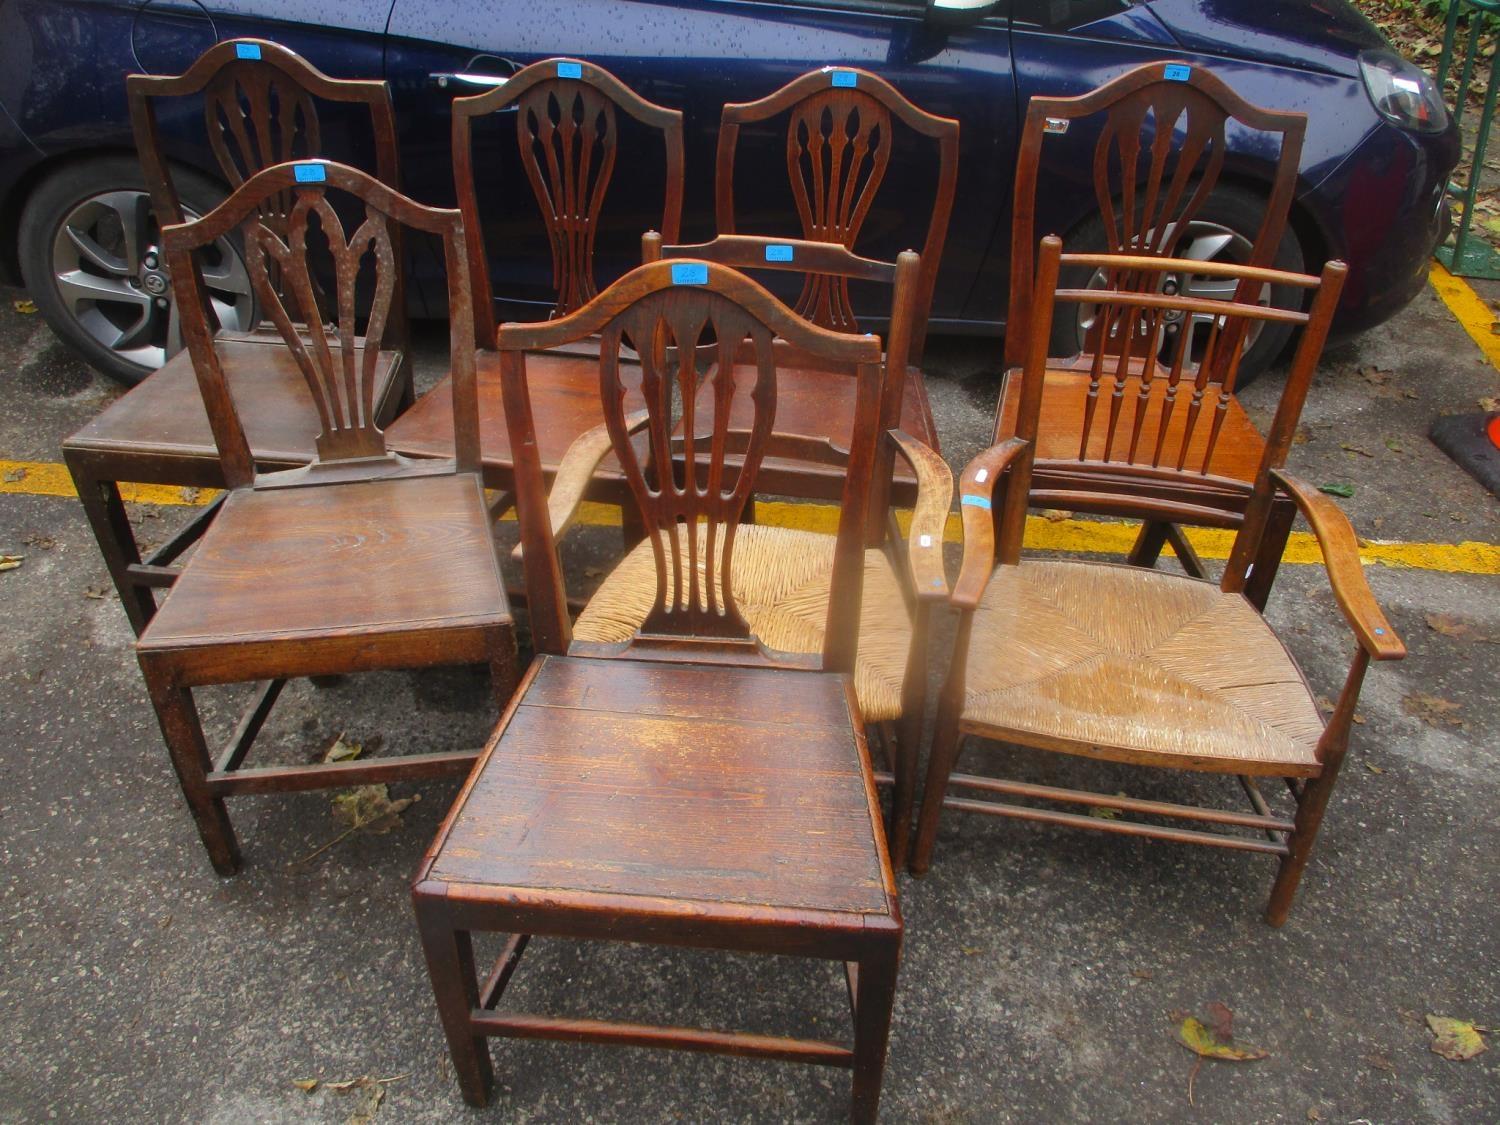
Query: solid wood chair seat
{"type": "Point", "coordinates": [164, 417]}
{"type": "Point", "coordinates": [565, 404]}
{"type": "Point", "coordinates": [781, 581]}
{"type": "Point", "coordinates": [1236, 456]}
{"type": "Point", "coordinates": [374, 557]}
{"type": "Point", "coordinates": [1136, 665]}
{"type": "Point", "coordinates": [664, 782]}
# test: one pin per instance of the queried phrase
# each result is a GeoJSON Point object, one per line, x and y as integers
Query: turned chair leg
{"type": "Point", "coordinates": [450, 964]}
{"type": "Point", "coordinates": [1311, 804]}
{"type": "Point", "coordinates": [1148, 544]}
{"type": "Point", "coordinates": [946, 743]}
{"type": "Point", "coordinates": [183, 731]}
{"type": "Point", "coordinates": [874, 999]}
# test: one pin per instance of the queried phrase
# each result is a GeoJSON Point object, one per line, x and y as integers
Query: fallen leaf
{"type": "Point", "coordinates": [972, 951]}
{"type": "Point", "coordinates": [10, 562]}
{"type": "Point", "coordinates": [1489, 404]}
{"type": "Point", "coordinates": [1347, 448]}
{"type": "Point", "coordinates": [369, 808]}
{"type": "Point", "coordinates": [1375, 376]}
{"type": "Point", "coordinates": [14, 475]}
{"type": "Point", "coordinates": [37, 539]}
{"type": "Point", "coordinates": [1302, 436]}
{"type": "Point", "coordinates": [592, 571]}
{"type": "Point", "coordinates": [1373, 768]}
{"type": "Point", "coordinates": [1433, 710]}
{"type": "Point", "coordinates": [1344, 490]}
{"type": "Point", "coordinates": [1315, 1114]}
{"type": "Point", "coordinates": [1393, 445]}
{"type": "Point", "coordinates": [1221, 1021]}
{"type": "Point", "coordinates": [343, 750]}
{"type": "Point", "coordinates": [1056, 515]}
{"type": "Point", "coordinates": [1380, 1062]}
{"type": "Point", "coordinates": [189, 495]}
{"type": "Point", "coordinates": [1193, 1035]}
{"type": "Point", "coordinates": [1143, 974]}
{"type": "Point", "coordinates": [1323, 703]}
{"type": "Point", "coordinates": [24, 307]}
{"type": "Point", "coordinates": [1450, 626]}
{"type": "Point", "coordinates": [95, 593]}
{"type": "Point", "coordinates": [1455, 1039]}
{"type": "Point", "coordinates": [1103, 813]}
{"type": "Point", "coordinates": [306, 1085]}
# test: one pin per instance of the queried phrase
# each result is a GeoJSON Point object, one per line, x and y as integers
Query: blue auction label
{"type": "Point", "coordinates": [310, 174]}
{"type": "Point", "coordinates": [971, 501]}
{"type": "Point", "coordinates": [1177, 73]}
{"type": "Point", "coordinates": [569, 70]}
{"type": "Point", "coordinates": [247, 50]}
{"type": "Point", "coordinates": [779, 253]}
{"type": "Point", "coordinates": [689, 273]}
{"type": "Point", "coordinates": [845, 78]}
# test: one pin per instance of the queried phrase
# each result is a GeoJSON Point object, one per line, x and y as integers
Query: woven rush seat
{"type": "Point", "coordinates": [781, 580]}
{"type": "Point", "coordinates": [1136, 665]}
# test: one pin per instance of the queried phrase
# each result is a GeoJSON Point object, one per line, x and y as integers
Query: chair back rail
{"type": "Point", "coordinates": [337, 361]}
{"type": "Point", "coordinates": [566, 118]}
{"type": "Point", "coordinates": [839, 142]}
{"type": "Point", "coordinates": [1157, 159]}
{"type": "Point", "coordinates": [260, 108]}
{"type": "Point", "coordinates": [667, 312]}
{"type": "Point", "coordinates": [1158, 430]}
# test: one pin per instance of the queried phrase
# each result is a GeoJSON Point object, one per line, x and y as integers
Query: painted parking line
{"type": "Point", "coordinates": [44, 478]}
{"type": "Point", "coordinates": [1469, 309]}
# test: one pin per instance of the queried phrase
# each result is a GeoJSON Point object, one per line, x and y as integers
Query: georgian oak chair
{"type": "Point", "coordinates": [567, 131]}
{"type": "Point", "coordinates": [357, 561]}
{"type": "Point", "coordinates": [262, 104]}
{"type": "Point", "coordinates": [1156, 158]}
{"type": "Point", "coordinates": [891, 675]}
{"type": "Point", "coordinates": [697, 783]}
{"type": "Point", "coordinates": [840, 139]}
{"type": "Point", "coordinates": [1141, 666]}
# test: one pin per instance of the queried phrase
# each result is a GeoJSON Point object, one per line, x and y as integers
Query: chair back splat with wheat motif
{"type": "Point", "coordinates": [566, 129]}
{"type": "Point", "coordinates": [1158, 154]}
{"type": "Point", "coordinates": [674, 315]}
{"type": "Point", "coordinates": [839, 142]}
{"type": "Point", "coordinates": [1160, 430]}
{"type": "Point", "coordinates": [338, 360]}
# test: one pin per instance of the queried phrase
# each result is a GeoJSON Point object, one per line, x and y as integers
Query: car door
{"type": "Point", "coordinates": [695, 55]}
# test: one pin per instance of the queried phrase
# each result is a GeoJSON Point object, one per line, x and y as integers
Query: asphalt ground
{"type": "Point", "coordinates": [1042, 968]}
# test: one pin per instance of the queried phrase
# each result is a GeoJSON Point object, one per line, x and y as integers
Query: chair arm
{"type": "Point", "coordinates": [976, 492]}
{"type": "Point", "coordinates": [1346, 574]}
{"type": "Point", "coordinates": [929, 519]}
{"type": "Point", "coordinates": [576, 470]}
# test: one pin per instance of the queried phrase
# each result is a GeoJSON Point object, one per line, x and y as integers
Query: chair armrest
{"type": "Point", "coordinates": [576, 470]}
{"type": "Point", "coordinates": [976, 493]}
{"type": "Point", "coordinates": [1346, 574]}
{"type": "Point", "coordinates": [929, 519]}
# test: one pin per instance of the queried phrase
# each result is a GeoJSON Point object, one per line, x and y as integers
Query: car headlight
{"type": "Point", "coordinates": [1402, 93]}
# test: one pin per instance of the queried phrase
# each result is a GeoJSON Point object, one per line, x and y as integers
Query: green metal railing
{"type": "Point", "coordinates": [1470, 255]}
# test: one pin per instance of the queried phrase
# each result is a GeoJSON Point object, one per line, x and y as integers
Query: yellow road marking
{"type": "Point", "coordinates": [43, 478]}
{"type": "Point", "coordinates": [1469, 309]}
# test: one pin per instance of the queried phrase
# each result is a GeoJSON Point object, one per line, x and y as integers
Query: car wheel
{"type": "Point", "coordinates": [91, 260]}
{"type": "Point", "coordinates": [1223, 231]}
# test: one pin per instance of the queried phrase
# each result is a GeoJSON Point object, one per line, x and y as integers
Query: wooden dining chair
{"type": "Point", "coordinates": [1154, 139]}
{"type": "Point", "coordinates": [698, 783]}
{"type": "Point", "coordinates": [1139, 666]}
{"type": "Point", "coordinates": [360, 560]}
{"type": "Point", "coordinates": [840, 139]}
{"type": "Point", "coordinates": [261, 104]}
{"type": "Point", "coordinates": [567, 129]}
{"type": "Point", "coordinates": [891, 676]}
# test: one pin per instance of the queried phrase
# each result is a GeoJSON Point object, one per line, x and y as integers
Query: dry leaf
{"type": "Point", "coordinates": [1393, 445]}
{"type": "Point", "coordinates": [1193, 1035]}
{"type": "Point", "coordinates": [1143, 974]}
{"type": "Point", "coordinates": [306, 1085]}
{"type": "Point", "coordinates": [1489, 404]}
{"type": "Point", "coordinates": [1103, 813]}
{"type": "Point", "coordinates": [10, 562]}
{"type": "Point", "coordinates": [1056, 515]}
{"type": "Point", "coordinates": [1347, 448]}
{"type": "Point", "coordinates": [1315, 1114]}
{"type": "Point", "coordinates": [189, 495]}
{"type": "Point", "coordinates": [1375, 376]}
{"type": "Point", "coordinates": [24, 307]}
{"type": "Point", "coordinates": [14, 475]}
{"type": "Point", "coordinates": [1455, 1039]}
{"type": "Point", "coordinates": [1433, 710]}
{"type": "Point", "coordinates": [95, 593]}
{"type": "Point", "coordinates": [37, 539]}
{"type": "Point", "coordinates": [369, 808]}
{"type": "Point", "coordinates": [343, 750]}
{"type": "Point", "coordinates": [1450, 626]}
{"type": "Point", "coordinates": [1380, 1062]}
{"type": "Point", "coordinates": [1373, 768]}
{"type": "Point", "coordinates": [1302, 436]}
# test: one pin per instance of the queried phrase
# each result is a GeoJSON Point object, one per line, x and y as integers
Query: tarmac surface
{"type": "Point", "coordinates": [1042, 967]}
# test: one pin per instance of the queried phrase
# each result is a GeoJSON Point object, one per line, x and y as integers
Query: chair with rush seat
{"type": "Point", "coordinates": [1138, 666]}
{"type": "Point", "coordinates": [1154, 139]}
{"type": "Point", "coordinates": [689, 784]}
{"type": "Point", "coordinates": [261, 104]}
{"type": "Point", "coordinates": [358, 561]}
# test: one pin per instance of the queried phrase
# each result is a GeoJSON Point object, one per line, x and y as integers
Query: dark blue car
{"type": "Point", "coordinates": [75, 230]}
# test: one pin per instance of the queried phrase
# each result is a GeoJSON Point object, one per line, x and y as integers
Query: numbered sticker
{"type": "Point", "coordinates": [247, 50]}
{"type": "Point", "coordinates": [844, 79]}
{"type": "Point", "coordinates": [970, 501]}
{"type": "Point", "coordinates": [981, 476]}
{"type": "Point", "coordinates": [310, 174]}
{"type": "Point", "coordinates": [689, 273]}
{"type": "Point", "coordinates": [778, 253]}
{"type": "Point", "coordinates": [1178, 73]}
{"type": "Point", "coordinates": [569, 70]}
{"type": "Point", "coordinates": [925, 540]}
